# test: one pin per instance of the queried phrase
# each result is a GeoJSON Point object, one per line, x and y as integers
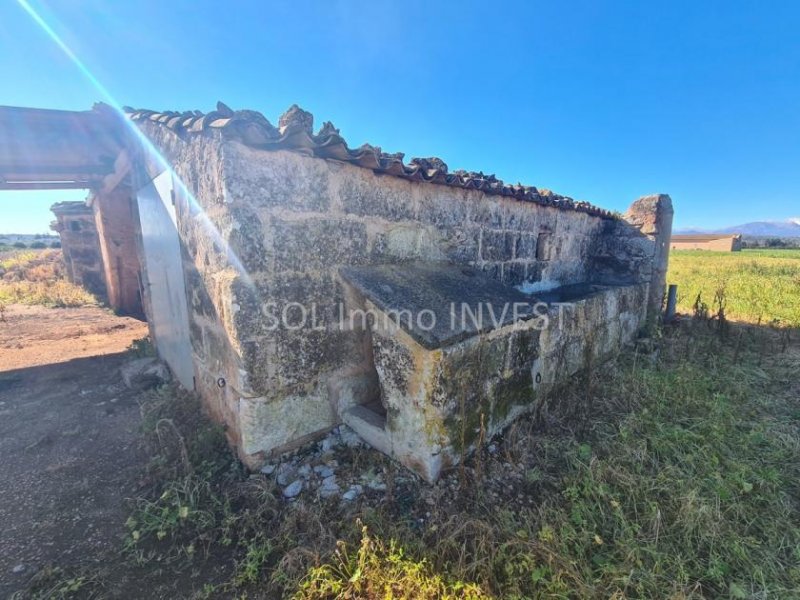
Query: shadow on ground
{"type": "Point", "coordinates": [70, 442]}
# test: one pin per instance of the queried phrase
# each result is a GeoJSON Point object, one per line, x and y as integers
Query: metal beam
{"type": "Point", "coordinates": [34, 169]}
{"type": "Point", "coordinates": [48, 185]}
{"type": "Point", "coordinates": [56, 149]}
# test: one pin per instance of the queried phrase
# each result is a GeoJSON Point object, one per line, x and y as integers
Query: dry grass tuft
{"type": "Point", "coordinates": [37, 277]}
{"type": "Point", "coordinates": [377, 571]}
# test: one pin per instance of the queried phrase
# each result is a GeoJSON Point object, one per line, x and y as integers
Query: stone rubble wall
{"type": "Point", "coordinates": [80, 245]}
{"type": "Point", "coordinates": [292, 221]}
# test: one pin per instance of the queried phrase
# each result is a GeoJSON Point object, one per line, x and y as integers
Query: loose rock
{"type": "Point", "coordinates": [323, 471]}
{"type": "Point", "coordinates": [349, 437]}
{"type": "Point", "coordinates": [286, 473]}
{"type": "Point", "coordinates": [329, 487]}
{"type": "Point", "coordinates": [293, 489]}
{"type": "Point", "coordinates": [354, 492]}
{"type": "Point", "coordinates": [144, 373]}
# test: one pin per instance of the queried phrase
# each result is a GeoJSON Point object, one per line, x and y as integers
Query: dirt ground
{"type": "Point", "coordinates": [68, 437]}
{"type": "Point", "coordinates": [36, 335]}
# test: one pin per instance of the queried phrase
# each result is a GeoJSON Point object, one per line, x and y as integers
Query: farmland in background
{"type": "Point", "coordinates": [755, 286]}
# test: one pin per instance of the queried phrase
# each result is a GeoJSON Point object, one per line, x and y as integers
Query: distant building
{"type": "Point", "coordinates": [721, 242]}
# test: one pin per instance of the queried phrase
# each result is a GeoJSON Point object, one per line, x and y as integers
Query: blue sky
{"type": "Point", "coordinates": [601, 101]}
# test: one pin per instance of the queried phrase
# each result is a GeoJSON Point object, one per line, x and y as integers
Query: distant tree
{"type": "Point", "coordinates": [20, 245]}
{"type": "Point", "coordinates": [775, 243]}
{"type": "Point", "coordinates": [38, 245]}
{"type": "Point", "coordinates": [55, 244]}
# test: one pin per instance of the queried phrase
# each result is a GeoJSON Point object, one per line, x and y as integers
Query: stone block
{"type": "Point", "coordinates": [144, 373]}
{"type": "Point", "coordinates": [515, 273]}
{"type": "Point", "coordinates": [487, 213]}
{"type": "Point", "coordinates": [287, 180]}
{"type": "Point", "coordinates": [440, 400]}
{"type": "Point", "coordinates": [246, 240]}
{"type": "Point", "coordinates": [520, 216]}
{"type": "Point", "coordinates": [526, 246]}
{"type": "Point", "coordinates": [492, 269]}
{"type": "Point", "coordinates": [196, 338]}
{"type": "Point", "coordinates": [498, 245]}
{"type": "Point", "coordinates": [533, 272]}
{"type": "Point", "coordinates": [442, 208]}
{"type": "Point", "coordinates": [458, 245]}
{"type": "Point", "coordinates": [392, 199]}
{"type": "Point", "coordinates": [318, 243]}
{"type": "Point", "coordinates": [523, 349]}
{"type": "Point", "coordinates": [545, 247]}
{"type": "Point", "coordinates": [396, 243]}
{"type": "Point", "coordinates": [269, 425]}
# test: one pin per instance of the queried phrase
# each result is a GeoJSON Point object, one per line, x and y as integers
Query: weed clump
{"type": "Point", "coordinates": [377, 571]}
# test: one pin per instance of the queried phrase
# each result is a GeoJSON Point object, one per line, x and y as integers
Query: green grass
{"type": "Point", "coordinates": [773, 252]}
{"type": "Point", "coordinates": [686, 486]}
{"type": "Point", "coordinates": [672, 472]}
{"type": "Point", "coordinates": [682, 482]}
{"type": "Point", "coordinates": [760, 286]}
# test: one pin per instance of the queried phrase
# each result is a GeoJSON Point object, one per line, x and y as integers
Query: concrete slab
{"type": "Point", "coordinates": [436, 295]}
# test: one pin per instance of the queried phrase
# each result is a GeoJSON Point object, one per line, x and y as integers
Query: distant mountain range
{"type": "Point", "coordinates": [787, 228]}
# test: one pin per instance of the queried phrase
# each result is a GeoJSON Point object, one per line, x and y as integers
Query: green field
{"type": "Point", "coordinates": [759, 286]}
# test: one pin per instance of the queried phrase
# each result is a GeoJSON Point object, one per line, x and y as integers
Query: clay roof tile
{"type": "Point", "coordinates": [295, 132]}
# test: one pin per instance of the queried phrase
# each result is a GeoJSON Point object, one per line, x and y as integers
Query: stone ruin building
{"type": "Point", "coordinates": [297, 283]}
{"type": "Point", "coordinates": [83, 259]}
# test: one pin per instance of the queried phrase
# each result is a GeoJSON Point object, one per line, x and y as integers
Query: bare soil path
{"type": "Point", "coordinates": [36, 335]}
{"type": "Point", "coordinates": [69, 438]}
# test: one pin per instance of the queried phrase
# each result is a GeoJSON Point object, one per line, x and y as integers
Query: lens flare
{"type": "Point", "coordinates": [147, 145]}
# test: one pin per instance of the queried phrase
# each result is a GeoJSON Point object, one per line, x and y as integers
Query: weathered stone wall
{"type": "Point", "coordinates": [652, 216]}
{"type": "Point", "coordinates": [440, 403]}
{"type": "Point", "coordinates": [80, 246]}
{"type": "Point", "coordinates": [265, 233]}
{"type": "Point", "coordinates": [117, 230]}
{"type": "Point", "coordinates": [204, 224]}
